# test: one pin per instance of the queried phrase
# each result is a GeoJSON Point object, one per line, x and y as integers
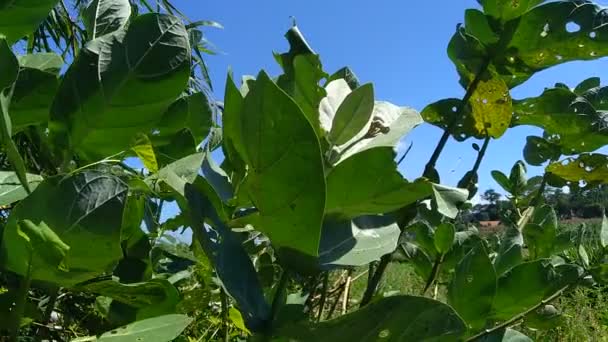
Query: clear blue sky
{"type": "Point", "coordinates": [398, 45]}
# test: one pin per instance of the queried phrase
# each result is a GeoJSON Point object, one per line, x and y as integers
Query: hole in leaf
{"type": "Point", "coordinates": [469, 279]}
{"type": "Point", "coordinates": [559, 57]}
{"type": "Point", "coordinates": [581, 45]}
{"type": "Point", "coordinates": [581, 165]}
{"type": "Point", "coordinates": [573, 27]}
{"type": "Point", "coordinates": [545, 31]}
{"type": "Point", "coordinates": [565, 189]}
{"type": "Point", "coordinates": [384, 333]}
{"type": "Point", "coordinates": [582, 184]}
{"type": "Point", "coordinates": [592, 34]}
{"type": "Point", "coordinates": [485, 101]}
{"type": "Point", "coordinates": [592, 53]}
{"type": "Point", "coordinates": [588, 168]}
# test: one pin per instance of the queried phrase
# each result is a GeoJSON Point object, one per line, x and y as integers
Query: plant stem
{"type": "Point", "coordinates": [515, 319]}
{"type": "Point", "coordinates": [22, 293]}
{"type": "Point", "coordinates": [224, 301]}
{"type": "Point", "coordinates": [434, 274]}
{"type": "Point", "coordinates": [372, 285]}
{"type": "Point", "coordinates": [459, 112]}
{"type": "Point", "coordinates": [346, 291]}
{"type": "Point", "coordinates": [50, 306]}
{"type": "Point", "coordinates": [481, 154]}
{"type": "Point", "coordinates": [323, 295]}
{"type": "Point", "coordinates": [279, 294]}
{"type": "Point", "coordinates": [541, 190]}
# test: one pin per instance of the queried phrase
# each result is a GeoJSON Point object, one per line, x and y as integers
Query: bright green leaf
{"type": "Point", "coordinates": [352, 115]}
{"type": "Point", "coordinates": [142, 147]}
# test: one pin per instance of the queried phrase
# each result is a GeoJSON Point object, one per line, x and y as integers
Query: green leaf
{"type": "Point", "coordinates": [357, 242]}
{"type": "Point", "coordinates": [506, 9]}
{"type": "Point", "coordinates": [121, 84]}
{"type": "Point", "coordinates": [217, 178]}
{"type": "Point", "coordinates": [49, 62]}
{"type": "Point", "coordinates": [20, 18]}
{"type": "Point", "coordinates": [512, 298]}
{"type": "Point", "coordinates": [586, 85]}
{"type": "Point", "coordinates": [79, 209]}
{"type": "Point", "coordinates": [286, 178]}
{"type": "Point", "coordinates": [226, 253]}
{"type": "Point", "coordinates": [505, 335]}
{"type": "Point", "coordinates": [235, 317]}
{"type": "Point", "coordinates": [491, 108]}
{"type": "Point", "coordinates": [589, 168]}
{"type": "Point", "coordinates": [352, 115]}
{"type": "Point", "coordinates": [348, 75]}
{"type": "Point", "coordinates": [11, 189]}
{"type": "Point", "coordinates": [473, 287]}
{"type": "Point", "coordinates": [517, 178]}
{"type": "Point", "coordinates": [509, 252]}
{"type": "Point", "coordinates": [101, 17]}
{"type": "Point", "coordinates": [180, 172]}
{"type": "Point", "coordinates": [538, 150]}
{"type": "Point", "coordinates": [191, 113]}
{"type": "Point", "coordinates": [9, 69]}
{"type": "Point", "coordinates": [158, 329]}
{"type": "Point", "coordinates": [572, 122]}
{"type": "Point", "coordinates": [448, 199]}
{"type": "Point", "coordinates": [45, 247]}
{"type": "Point", "coordinates": [423, 237]}
{"type": "Point", "coordinates": [397, 318]}
{"type": "Point", "coordinates": [546, 317]}
{"type": "Point", "coordinates": [604, 231]}
{"type": "Point", "coordinates": [502, 180]}
{"type": "Point", "coordinates": [380, 187]}
{"type": "Point", "coordinates": [153, 298]}
{"type": "Point", "coordinates": [444, 237]}
{"type": "Point", "coordinates": [477, 25]}
{"type": "Point", "coordinates": [541, 233]}
{"type": "Point", "coordinates": [303, 72]}
{"type": "Point", "coordinates": [142, 147]}
{"type": "Point", "coordinates": [34, 90]}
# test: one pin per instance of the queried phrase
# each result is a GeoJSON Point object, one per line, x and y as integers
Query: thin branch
{"type": "Point", "coordinates": [372, 285]}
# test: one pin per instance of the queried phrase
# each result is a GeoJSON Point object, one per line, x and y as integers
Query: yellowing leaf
{"type": "Point", "coordinates": [143, 148]}
{"type": "Point", "coordinates": [491, 108]}
{"type": "Point", "coordinates": [237, 320]}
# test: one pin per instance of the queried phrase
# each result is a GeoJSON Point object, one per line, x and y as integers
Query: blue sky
{"type": "Point", "coordinates": [398, 45]}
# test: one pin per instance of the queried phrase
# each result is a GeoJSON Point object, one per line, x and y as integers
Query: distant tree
{"type": "Point", "coordinates": [491, 196]}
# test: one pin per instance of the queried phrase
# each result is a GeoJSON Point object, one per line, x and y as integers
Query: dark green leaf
{"type": "Point", "coordinates": [11, 189]}
{"type": "Point", "coordinates": [517, 178]}
{"type": "Point", "coordinates": [502, 180]}
{"type": "Point", "coordinates": [586, 85]}
{"type": "Point", "coordinates": [357, 242]}
{"type": "Point", "coordinates": [348, 75]}
{"type": "Point", "coordinates": [20, 18]}
{"type": "Point", "coordinates": [120, 85]}
{"type": "Point", "coordinates": [397, 318]}
{"type": "Point", "coordinates": [546, 317]}
{"type": "Point", "coordinates": [478, 26]}
{"type": "Point", "coordinates": [539, 150]}
{"type": "Point", "coordinates": [541, 233]}
{"type": "Point", "coordinates": [286, 178]}
{"type": "Point", "coordinates": [79, 209]}
{"type": "Point", "coordinates": [473, 287]}
{"type": "Point", "coordinates": [506, 9]}
{"type": "Point", "coordinates": [380, 187]}
{"type": "Point", "coordinates": [505, 335]}
{"type": "Point", "coordinates": [105, 16]}
{"type": "Point", "coordinates": [444, 237]}
{"type": "Point", "coordinates": [352, 115]}
{"type": "Point", "coordinates": [509, 252]}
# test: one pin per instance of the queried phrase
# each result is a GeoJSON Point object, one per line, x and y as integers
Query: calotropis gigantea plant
{"type": "Point", "coordinates": [308, 188]}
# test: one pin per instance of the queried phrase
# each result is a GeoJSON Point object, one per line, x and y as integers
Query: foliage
{"type": "Point", "coordinates": [308, 192]}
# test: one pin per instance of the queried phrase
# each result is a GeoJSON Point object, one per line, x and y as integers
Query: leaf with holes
{"type": "Point", "coordinates": [588, 168]}
{"type": "Point", "coordinates": [491, 108]}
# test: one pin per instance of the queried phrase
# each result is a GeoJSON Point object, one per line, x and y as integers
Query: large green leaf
{"type": "Point", "coordinates": [444, 237]}
{"type": "Point", "coordinates": [105, 16]}
{"type": "Point", "coordinates": [9, 70]}
{"type": "Point", "coordinates": [191, 113]}
{"type": "Point", "coordinates": [303, 72]}
{"type": "Point", "coordinates": [529, 40]}
{"type": "Point", "coordinates": [11, 189]}
{"type": "Point", "coordinates": [226, 253]}
{"type": "Point", "coordinates": [573, 123]}
{"type": "Point", "coordinates": [473, 287]}
{"type": "Point", "coordinates": [352, 115]}
{"type": "Point", "coordinates": [285, 180]}
{"type": "Point", "coordinates": [153, 298]}
{"type": "Point", "coordinates": [398, 318]}
{"type": "Point", "coordinates": [588, 168]}
{"type": "Point", "coordinates": [541, 233]}
{"type": "Point", "coordinates": [79, 209]}
{"type": "Point", "coordinates": [380, 188]}
{"type": "Point", "coordinates": [20, 18]}
{"type": "Point", "coordinates": [538, 150]}
{"type": "Point", "coordinates": [34, 90]}
{"type": "Point", "coordinates": [120, 85]}
{"type": "Point", "coordinates": [357, 242]}
{"type": "Point", "coordinates": [158, 329]}
{"type": "Point", "coordinates": [523, 287]}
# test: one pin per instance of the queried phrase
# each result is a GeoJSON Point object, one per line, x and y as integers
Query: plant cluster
{"type": "Point", "coordinates": [308, 192]}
